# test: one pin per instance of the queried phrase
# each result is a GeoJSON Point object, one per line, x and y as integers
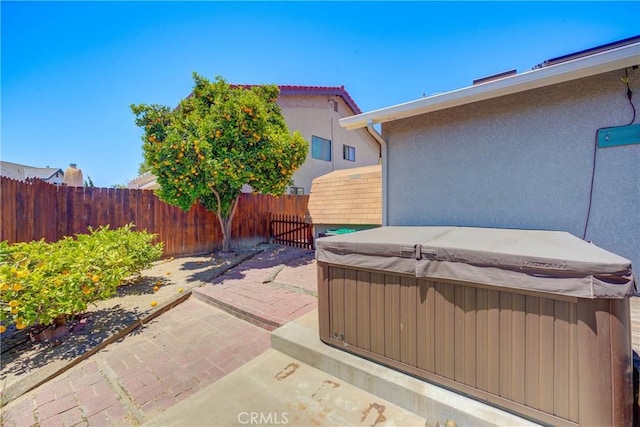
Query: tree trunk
{"type": "Point", "coordinates": [225, 225]}
{"type": "Point", "coordinates": [226, 234]}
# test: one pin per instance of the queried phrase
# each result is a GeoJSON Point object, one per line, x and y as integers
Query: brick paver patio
{"type": "Point", "coordinates": [132, 380]}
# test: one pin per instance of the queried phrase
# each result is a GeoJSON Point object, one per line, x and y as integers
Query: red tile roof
{"type": "Point", "coordinates": [311, 90]}
{"type": "Point", "coordinates": [316, 90]}
{"type": "Point", "coordinates": [322, 90]}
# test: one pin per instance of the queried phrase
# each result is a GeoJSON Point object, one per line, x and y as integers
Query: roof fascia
{"type": "Point", "coordinates": [598, 63]}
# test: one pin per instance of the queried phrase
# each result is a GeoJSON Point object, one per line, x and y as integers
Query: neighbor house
{"type": "Point", "coordinates": [556, 147]}
{"type": "Point", "coordinates": [146, 181]}
{"type": "Point", "coordinates": [314, 111]}
{"type": "Point", "coordinates": [25, 173]}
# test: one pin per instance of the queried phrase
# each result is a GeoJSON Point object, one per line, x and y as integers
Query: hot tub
{"type": "Point", "coordinates": [535, 322]}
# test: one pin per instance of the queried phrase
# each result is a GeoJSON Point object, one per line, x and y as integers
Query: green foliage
{"type": "Point", "coordinates": [88, 182]}
{"type": "Point", "coordinates": [143, 167]}
{"type": "Point", "coordinates": [216, 140]}
{"type": "Point", "coordinates": [41, 281]}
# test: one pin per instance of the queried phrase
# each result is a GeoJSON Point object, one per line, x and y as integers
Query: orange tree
{"type": "Point", "coordinates": [41, 281]}
{"type": "Point", "coordinates": [217, 140]}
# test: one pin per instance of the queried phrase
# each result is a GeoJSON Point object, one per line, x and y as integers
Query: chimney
{"type": "Point", "coordinates": [73, 176]}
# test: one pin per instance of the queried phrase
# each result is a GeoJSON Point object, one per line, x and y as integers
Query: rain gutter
{"type": "Point", "coordinates": [383, 156]}
{"type": "Point", "coordinates": [602, 62]}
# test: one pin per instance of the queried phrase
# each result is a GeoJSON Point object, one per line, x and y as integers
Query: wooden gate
{"type": "Point", "coordinates": [291, 230]}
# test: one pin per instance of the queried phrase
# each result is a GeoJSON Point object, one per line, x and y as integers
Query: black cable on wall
{"type": "Point", "coordinates": [625, 79]}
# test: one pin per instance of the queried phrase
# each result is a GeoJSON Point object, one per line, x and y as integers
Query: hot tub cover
{"type": "Point", "coordinates": [537, 260]}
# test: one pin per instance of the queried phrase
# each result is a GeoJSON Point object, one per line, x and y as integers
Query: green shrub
{"type": "Point", "coordinates": [42, 281]}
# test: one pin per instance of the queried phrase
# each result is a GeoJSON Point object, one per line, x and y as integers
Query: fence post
{"type": "Point", "coordinates": [310, 235]}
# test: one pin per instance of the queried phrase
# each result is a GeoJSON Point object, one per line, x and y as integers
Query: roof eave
{"type": "Point", "coordinates": [599, 63]}
{"type": "Point", "coordinates": [56, 172]}
{"type": "Point", "coordinates": [322, 90]}
{"type": "Point", "coordinates": [309, 90]}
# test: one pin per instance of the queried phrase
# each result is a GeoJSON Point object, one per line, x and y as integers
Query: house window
{"type": "Point", "coordinates": [349, 153]}
{"type": "Point", "coordinates": [296, 190]}
{"type": "Point", "coordinates": [320, 148]}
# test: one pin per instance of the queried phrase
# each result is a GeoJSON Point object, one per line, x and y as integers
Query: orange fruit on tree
{"type": "Point", "coordinates": [155, 289]}
{"type": "Point", "coordinates": [2, 329]}
{"type": "Point", "coordinates": [95, 278]}
{"type": "Point", "coordinates": [153, 303]}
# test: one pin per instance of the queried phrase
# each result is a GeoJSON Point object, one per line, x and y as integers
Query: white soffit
{"type": "Point", "coordinates": [614, 59]}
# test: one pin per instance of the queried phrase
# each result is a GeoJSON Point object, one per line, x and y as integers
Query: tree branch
{"type": "Point", "coordinates": [233, 207]}
{"type": "Point", "coordinates": [219, 206]}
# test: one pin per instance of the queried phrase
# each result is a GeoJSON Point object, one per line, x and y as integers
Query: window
{"type": "Point", "coordinates": [320, 148]}
{"type": "Point", "coordinates": [349, 153]}
{"type": "Point", "coordinates": [296, 190]}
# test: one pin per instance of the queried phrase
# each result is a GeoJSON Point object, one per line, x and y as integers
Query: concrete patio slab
{"type": "Point", "coordinates": [300, 340]}
{"type": "Point", "coordinates": [276, 389]}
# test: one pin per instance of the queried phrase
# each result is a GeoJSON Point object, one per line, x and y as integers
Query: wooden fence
{"type": "Point", "coordinates": [291, 230]}
{"type": "Point", "coordinates": [38, 210]}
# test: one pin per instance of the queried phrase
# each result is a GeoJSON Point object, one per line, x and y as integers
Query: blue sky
{"type": "Point", "coordinates": [70, 70]}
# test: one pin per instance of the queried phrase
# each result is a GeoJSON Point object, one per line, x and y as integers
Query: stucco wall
{"type": "Point", "coordinates": [315, 115]}
{"type": "Point", "coordinates": [522, 161]}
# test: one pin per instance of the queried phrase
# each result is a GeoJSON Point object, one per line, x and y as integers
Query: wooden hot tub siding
{"type": "Point", "coordinates": [554, 359]}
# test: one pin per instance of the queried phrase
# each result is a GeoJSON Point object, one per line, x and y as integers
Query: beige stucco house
{"type": "Point", "coordinates": [314, 111]}
{"type": "Point", "coordinates": [541, 149]}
